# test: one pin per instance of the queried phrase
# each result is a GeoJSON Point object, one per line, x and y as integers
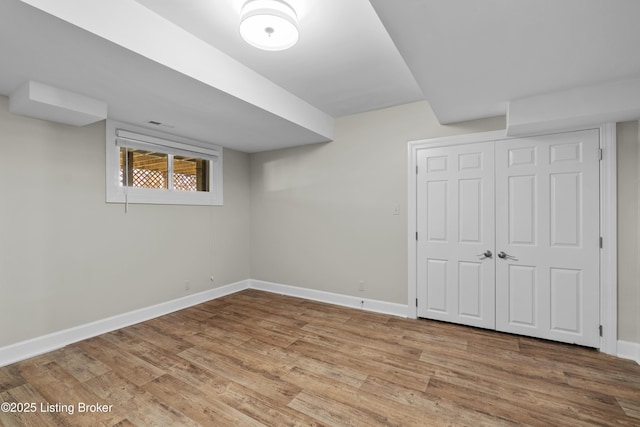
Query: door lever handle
{"type": "Point", "coordinates": [486, 254]}
{"type": "Point", "coordinates": [504, 255]}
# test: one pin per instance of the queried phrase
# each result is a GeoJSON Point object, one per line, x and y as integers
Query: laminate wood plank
{"type": "Point", "coordinates": [190, 402]}
{"type": "Point", "coordinates": [394, 335]}
{"type": "Point", "coordinates": [281, 316]}
{"type": "Point", "coordinates": [630, 407]}
{"type": "Point", "coordinates": [487, 404]}
{"type": "Point", "coordinates": [483, 342]}
{"type": "Point", "coordinates": [379, 411]}
{"type": "Point", "coordinates": [124, 423]}
{"type": "Point", "coordinates": [286, 313]}
{"type": "Point", "coordinates": [272, 351]}
{"type": "Point", "coordinates": [244, 326]}
{"type": "Point", "coordinates": [433, 334]}
{"type": "Point", "coordinates": [60, 389]}
{"type": "Point", "coordinates": [124, 363]}
{"type": "Point", "coordinates": [580, 360]}
{"type": "Point", "coordinates": [364, 341]}
{"type": "Point", "coordinates": [432, 409]}
{"type": "Point", "coordinates": [251, 377]}
{"type": "Point", "coordinates": [27, 394]}
{"type": "Point", "coordinates": [220, 332]}
{"type": "Point", "coordinates": [492, 364]}
{"type": "Point", "coordinates": [384, 354]}
{"type": "Point", "coordinates": [172, 327]}
{"type": "Point", "coordinates": [421, 339]}
{"type": "Point", "coordinates": [157, 356]}
{"type": "Point", "coordinates": [141, 407]}
{"type": "Point", "coordinates": [206, 381]}
{"type": "Point", "coordinates": [617, 389]}
{"type": "Point", "coordinates": [79, 364]}
{"type": "Point", "coordinates": [531, 390]}
{"type": "Point", "coordinates": [10, 378]}
{"type": "Point", "coordinates": [266, 303]}
{"type": "Point", "coordinates": [189, 325]}
{"type": "Point", "coordinates": [245, 357]}
{"type": "Point", "coordinates": [355, 361]}
{"type": "Point", "coordinates": [314, 310]}
{"type": "Point", "coordinates": [496, 377]}
{"type": "Point", "coordinates": [332, 413]}
{"type": "Point", "coordinates": [505, 396]}
{"type": "Point", "coordinates": [337, 373]}
{"type": "Point", "coordinates": [264, 409]}
{"type": "Point", "coordinates": [148, 332]}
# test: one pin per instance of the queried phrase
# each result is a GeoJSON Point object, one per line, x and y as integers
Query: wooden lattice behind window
{"type": "Point", "coordinates": [150, 170]}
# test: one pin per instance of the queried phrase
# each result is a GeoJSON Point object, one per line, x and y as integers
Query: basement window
{"type": "Point", "coordinates": [145, 166]}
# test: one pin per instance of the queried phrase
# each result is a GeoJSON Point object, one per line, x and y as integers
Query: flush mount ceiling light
{"type": "Point", "coordinates": [269, 24]}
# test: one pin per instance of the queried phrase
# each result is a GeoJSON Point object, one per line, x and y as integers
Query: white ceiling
{"type": "Point", "coordinates": [470, 57]}
{"type": "Point", "coordinates": [344, 63]}
{"type": "Point", "coordinates": [183, 63]}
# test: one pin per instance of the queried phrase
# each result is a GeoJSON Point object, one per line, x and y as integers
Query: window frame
{"type": "Point", "coordinates": [120, 134]}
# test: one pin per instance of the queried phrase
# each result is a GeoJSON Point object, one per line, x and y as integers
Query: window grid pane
{"type": "Point", "coordinates": [190, 174]}
{"type": "Point", "coordinates": [145, 169]}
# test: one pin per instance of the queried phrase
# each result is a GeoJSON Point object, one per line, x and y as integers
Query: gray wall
{"type": "Point", "coordinates": [68, 258]}
{"type": "Point", "coordinates": [322, 216]}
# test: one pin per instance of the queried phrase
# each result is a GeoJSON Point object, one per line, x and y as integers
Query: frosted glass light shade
{"type": "Point", "coordinates": [269, 24]}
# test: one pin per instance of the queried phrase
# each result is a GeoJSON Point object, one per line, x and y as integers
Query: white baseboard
{"type": "Point", "coordinates": [37, 346]}
{"type": "Point", "coordinates": [46, 343]}
{"type": "Point", "coordinates": [332, 298]}
{"type": "Point", "coordinates": [629, 350]}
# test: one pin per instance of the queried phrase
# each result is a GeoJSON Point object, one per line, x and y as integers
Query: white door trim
{"type": "Point", "coordinates": [608, 224]}
{"type": "Point", "coordinates": [609, 233]}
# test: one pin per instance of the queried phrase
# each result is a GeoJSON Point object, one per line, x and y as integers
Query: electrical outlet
{"type": "Point", "coordinates": [361, 286]}
{"type": "Point", "coordinates": [187, 285]}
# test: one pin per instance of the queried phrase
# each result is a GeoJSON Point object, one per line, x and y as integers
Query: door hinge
{"type": "Point", "coordinates": [600, 153]}
{"type": "Point", "coordinates": [416, 236]}
{"type": "Point", "coordinates": [601, 242]}
{"type": "Point", "coordinates": [416, 169]}
{"type": "Point", "coordinates": [416, 302]}
{"type": "Point", "coordinates": [600, 330]}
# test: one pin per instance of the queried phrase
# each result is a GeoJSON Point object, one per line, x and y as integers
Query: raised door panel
{"type": "Point", "coordinates": [565, 204]}
{"type": "Point", "coordinates": [437, 210]}
{"type": "Point", "coordinates": [470, 211]}
{"type": "Point", "coordinates": [470, 290]}
{"type": "Point", "coordinates": [522, 295]}
{"type": "Point", "coordinates": [521, 217]}
{"type": "Point", "coordinates": [566, 297]}
{"type": "Point", "coordinates": [436, 277]}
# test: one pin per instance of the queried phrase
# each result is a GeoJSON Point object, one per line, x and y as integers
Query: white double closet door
{"type": "Point", "coordinates": [508, 236]}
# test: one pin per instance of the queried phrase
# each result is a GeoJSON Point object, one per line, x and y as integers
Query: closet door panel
{"type": "Point", "coordinates": [456, 279]}
{"type": "Point", "coordinates": [547, 216]}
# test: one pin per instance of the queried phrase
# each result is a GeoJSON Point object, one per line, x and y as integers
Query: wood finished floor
{"type": "Point", "coordinates": [256, 359]}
